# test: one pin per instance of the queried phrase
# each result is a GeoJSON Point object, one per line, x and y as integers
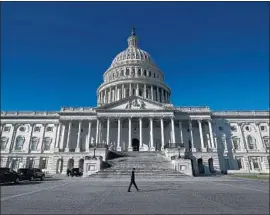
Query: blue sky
{"type": "Point", "coordinates": [54, 54]}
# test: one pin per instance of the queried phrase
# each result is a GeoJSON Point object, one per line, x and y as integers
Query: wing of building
{"type": "Point", "coordinates": [134, 113]}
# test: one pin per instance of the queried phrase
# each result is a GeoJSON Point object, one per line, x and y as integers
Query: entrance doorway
{"type": "Point", "coordinates": [135, 144]}
{"type": "Point", "coordinates": [200, 166]}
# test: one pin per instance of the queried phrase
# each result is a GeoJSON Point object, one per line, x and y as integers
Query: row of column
{"type": "Point", "coordinates": [119, 122]}
{"type": "Point", "coordinates": [118, 92]}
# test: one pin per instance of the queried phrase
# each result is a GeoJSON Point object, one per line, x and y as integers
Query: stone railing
{"type": "Point", "coordinates": [192, 109]}
{"type": "Point", "coordinates": [240, 113]}
{"type": "Point", "coordinates": [29, 113]}
{"type": "Point", "coordinates": [76, 109]}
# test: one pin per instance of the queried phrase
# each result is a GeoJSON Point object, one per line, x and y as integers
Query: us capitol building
{"type": "Point", "coordinates": [134, 113]}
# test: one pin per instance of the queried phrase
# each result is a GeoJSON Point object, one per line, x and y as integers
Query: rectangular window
{"type": "Point", "coordinates": [43, 164]}
{"type": "Point", "coordinates": [37, 129]}
{"type": "Point", "coordinates": [7, 128]}
{"type": "Point", "coordinates": [266, 143]}
{"type": "Point", "coordinates": [233, 128]}
{"type": "Point", "coordinates": [263, 128]}
{"type": "Point", "coordinates": [256, 164]}
{"type": "Point", "coordinates": [49, 129]}
{"type": "Point", "coordinates": [239, 163]}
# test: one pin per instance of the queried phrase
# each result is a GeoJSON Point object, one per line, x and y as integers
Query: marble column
{"type": "Point", "coordinates": [62, 136]}
{"type": "Point", "coordinates": [141, 133]}
{"type": "Point", "coordinates": [122, 92]}
{"type": "Point", "coordinates": [211, 134]}
{"type": "Point", "coordinates": [42, 139]}
{"type": "Point", "coordinates": [110, 95]}
{"type": "Point", "coordinates": [105, 97]}
{"type": "Point", "coordinates": [97, 132]}
{"type": "Point", "coordinates": [173, 132]}
{"type": "Point", "coordinates": [78, 149]}
{"type": "Point", "coordinates": [130, 89]}
{"type": "Point", "coordinates": [129, 135]}
{"type": "Point", "coordinates": [108, 131]}
{"type": "Point", "coordinates": [57, 126]}
{"type": "Point", "coordinates": [158, 95]}
{"type": "Point", "coordinates": [201, 136]}
{"type": "Point", "coordinates": [162, 133]}
{"type": "Point", "coordinates": [137, 90]}
{"type": "Point", "coordinates": [181, 133]}
{"type": "Point", "coordinates": [115, 93]}
{"type": "Point", "coordinates": [30, 138]}
{"type": "Point", "coordinates": [88, 137]}
{"type": "Point", "coordinates": [152, 148]}
{"type": "Point", "coordinates": [119, 135]}
{"type": "Point", "coordinates": [144, 91]}
{"type": "Point", "coordinates": [191, 136]}
{"type": "Point", "coordinates": [152, 93]}
{"type": "Point", "coordinates": [56, 148]}
{"type": "Point", "coordinates": [68, 137]}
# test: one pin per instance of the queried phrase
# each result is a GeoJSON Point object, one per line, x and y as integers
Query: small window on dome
{"type": "Point", "coordinates": [144, 72]}
{"type": "Point", "coordinates": [154, 75]}
{"type": "Point", "coordinates": [139, 72]}
{"type": "Point", "coordinates": [113, 75]}
{"type": "Point", "coordinates": [122, 72]}
{"type": "Point", "coordinates": [157, 75]}
{"type": "Point", "coordinates": [137, 56]}
{"type": "Point", "coordinates": [133, 55]}
{"type": "Point", "coordinates": [149, 73]}
{"type": "Point", "coordinates": [128, 56]}
{"type": "Point", "coordinates": [127, 72]}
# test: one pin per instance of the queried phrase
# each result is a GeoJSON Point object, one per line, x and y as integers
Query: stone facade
{"type": "Point", "coordinates": [134, 113]}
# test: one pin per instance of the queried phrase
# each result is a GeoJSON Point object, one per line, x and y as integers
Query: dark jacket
{"type": "Point", "coordinates": [132, 176]}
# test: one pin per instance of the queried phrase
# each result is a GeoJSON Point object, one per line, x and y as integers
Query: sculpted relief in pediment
{"type": "Point", "coordinates": [135, 104]}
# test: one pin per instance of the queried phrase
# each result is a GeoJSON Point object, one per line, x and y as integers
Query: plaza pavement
{"type": "Point", "coordinates": [198, 195]}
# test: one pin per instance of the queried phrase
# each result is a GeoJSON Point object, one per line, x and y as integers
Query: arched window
{"type": "Point", "coordinates": [251, 142]}
{"type": "Point", "coordinates": [236, 142]}
{"type": "Point", "coordinates": [4, 141]}
{"type": "Point", "coordinates": [122, 72]}
{"type": "Point", "coordinates": [19, 143]}
{"type": "Point", "coordinates": [47, 143]}
{"type": "Point", "coordinates": [34, 143]}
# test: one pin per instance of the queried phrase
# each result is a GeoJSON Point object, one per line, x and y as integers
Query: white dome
{"type": "Point", "coordinates": [130, 54]}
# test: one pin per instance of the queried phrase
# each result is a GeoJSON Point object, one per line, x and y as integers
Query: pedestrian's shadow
{"type": "Point", "coordinates": [153, 190]}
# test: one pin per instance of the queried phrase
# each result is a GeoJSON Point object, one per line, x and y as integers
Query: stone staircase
{"type": "Point", "coordinates": [147, 164]}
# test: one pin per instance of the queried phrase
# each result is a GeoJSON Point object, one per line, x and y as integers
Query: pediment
{"type": "Point", "coordinates": [134, 103]}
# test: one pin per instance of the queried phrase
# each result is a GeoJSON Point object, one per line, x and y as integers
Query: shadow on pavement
{"type": "Point", "coordinates": [152, 190]}
{"type": "Point", "coordinates": [53, 179]}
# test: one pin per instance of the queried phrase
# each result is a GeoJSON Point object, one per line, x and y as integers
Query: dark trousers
{"type": "Point", "coordinates": [134, 183]}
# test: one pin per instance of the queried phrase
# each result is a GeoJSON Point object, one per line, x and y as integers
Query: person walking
{"type": "Point", "coordinates": [132, 181]}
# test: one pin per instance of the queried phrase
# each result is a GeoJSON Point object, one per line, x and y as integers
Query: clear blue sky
{"type": "Point", "coordinates": [54, 54]}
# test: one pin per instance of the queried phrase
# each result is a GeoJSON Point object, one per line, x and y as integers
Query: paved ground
{"type": "Point", "coordinates": [92, 196]}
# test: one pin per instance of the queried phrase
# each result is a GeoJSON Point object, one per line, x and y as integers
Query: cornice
{"type": "Point", "coordinates": [135, 80]}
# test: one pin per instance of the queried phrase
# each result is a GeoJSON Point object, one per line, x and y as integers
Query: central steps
{"type": "Point", "coordinates": [147, 164]}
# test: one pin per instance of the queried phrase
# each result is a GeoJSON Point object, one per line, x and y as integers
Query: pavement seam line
{"type": "Point", "coordinates": [246, 188]}
{"type": "Point", "coordinates": [35, 191]}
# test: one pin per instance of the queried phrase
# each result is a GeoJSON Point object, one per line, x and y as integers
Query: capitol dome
{"type": "Point", "coordinates": [133, 72]}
